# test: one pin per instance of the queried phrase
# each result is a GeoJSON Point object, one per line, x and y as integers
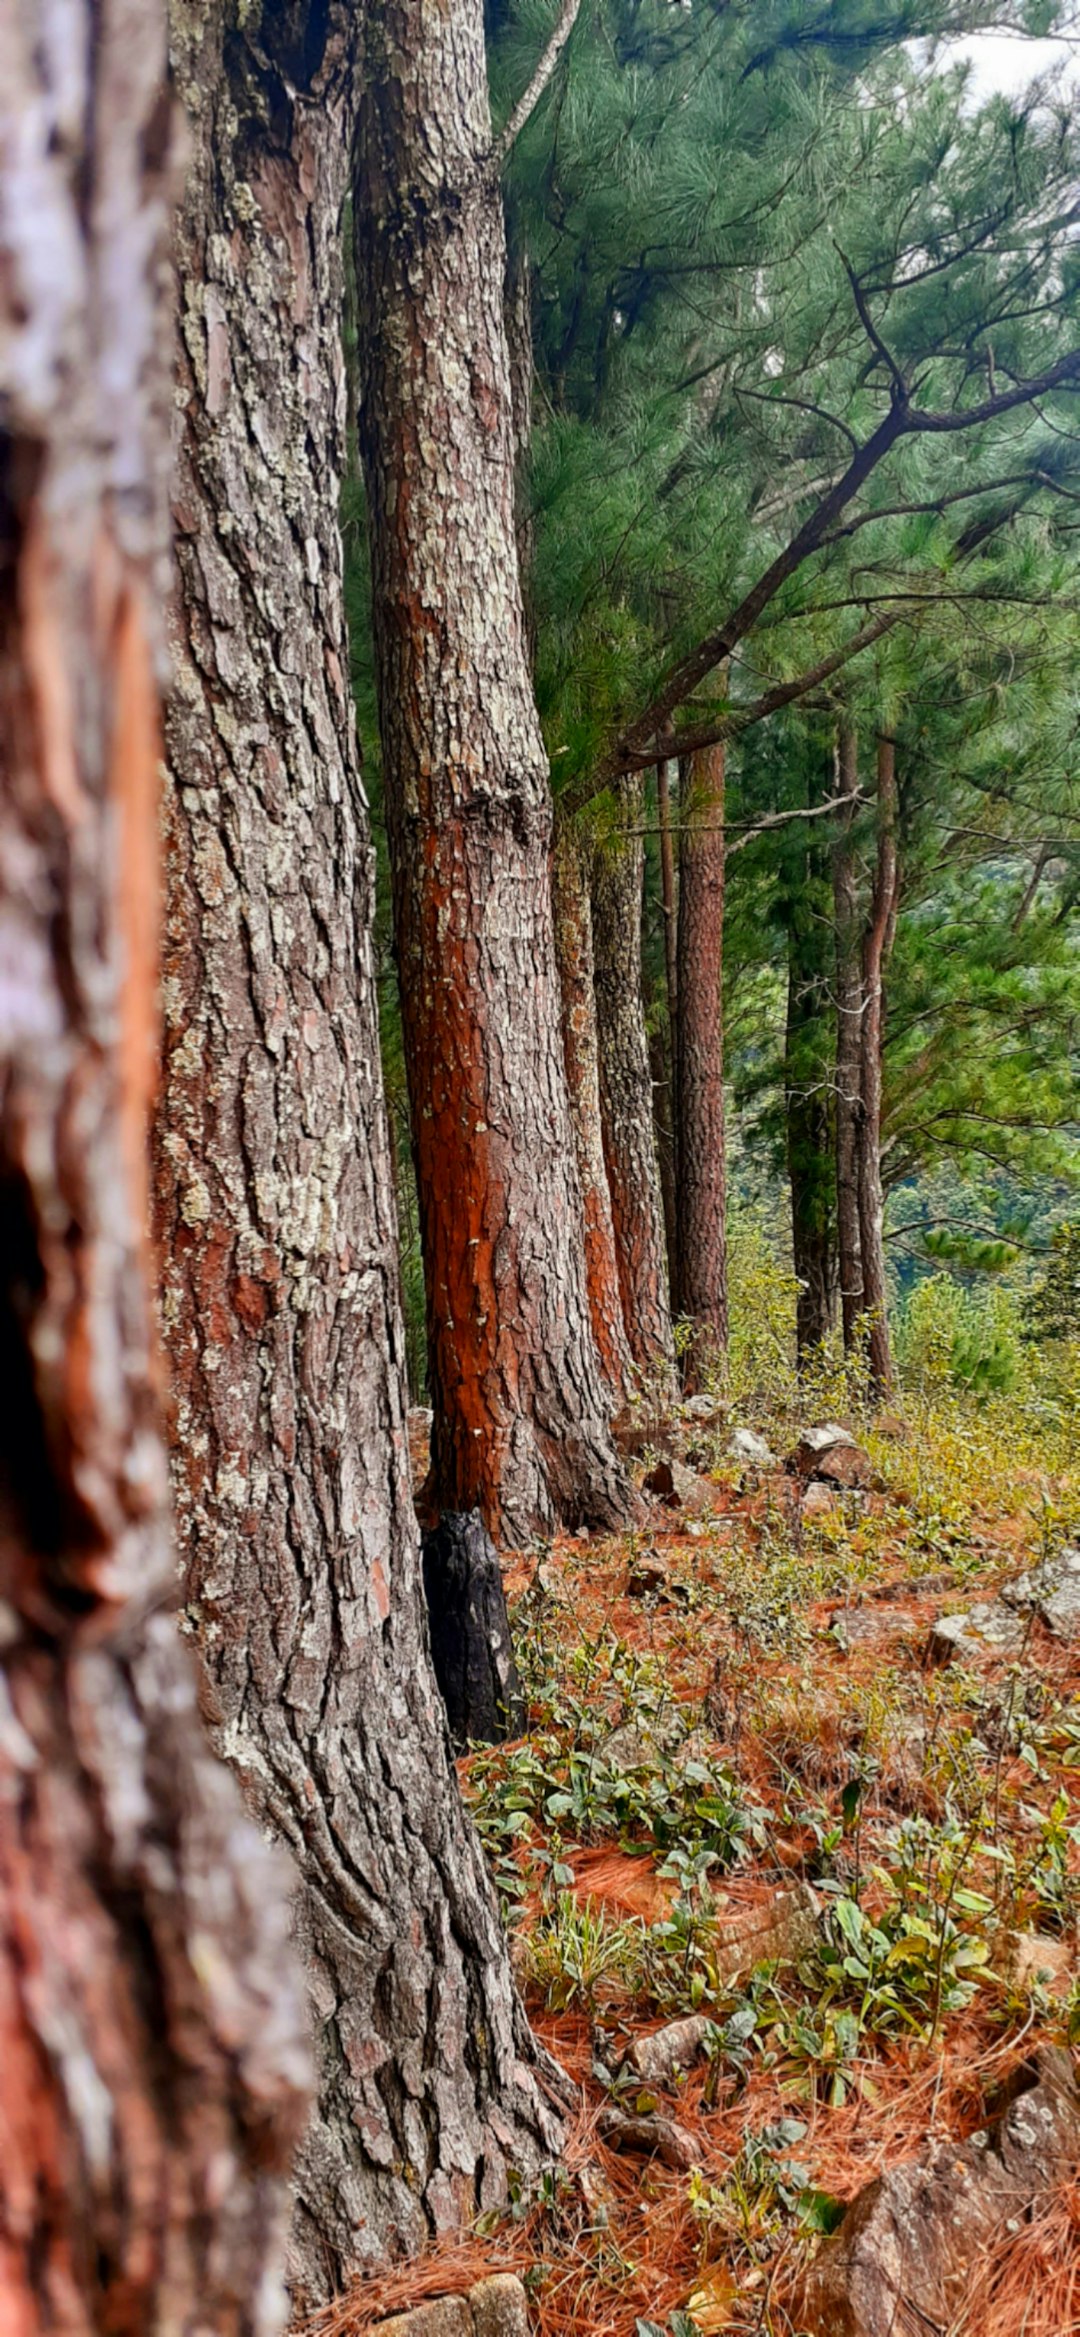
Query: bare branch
{"type": "Point", "coordinates": [781, 819]}
{"type": "Point", "coordinates": [531, 97]}
{"type": "Point", "coordinates": [899, 385]}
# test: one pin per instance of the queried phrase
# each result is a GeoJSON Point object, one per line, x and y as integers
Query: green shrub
{"type": "Point", "coordinates": [949, 1336]}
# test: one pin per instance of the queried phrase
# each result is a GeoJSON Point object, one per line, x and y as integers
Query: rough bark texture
{"type": "Point", "coordinates": [664, 1041]}
{"type": "Point", "coordinates": [521, 1411]}
{"type": "Point", "coordinates": [876, 948]}
{"type": "Point", "coordinates": [154, 2067]}
{"type": "Point", "coordinates": [848, 1038]}
{"type": "Point", "coordinates": [574, 952]}
{"type": "Point", "coordinates": [626, 1112]}
{"type": "Point", "coordinates": [667, 775]}
{"type": "Point", "coordinates": [274, 1193]}
{"type": "Point", "coordinates": [470, 1632]}
{"type": "Point", "coordinates": [807, 1081]}
{"type": "Point", "coordinates": [700, 1143]}
{"type": "Point", "coordinates": [664, 1138]}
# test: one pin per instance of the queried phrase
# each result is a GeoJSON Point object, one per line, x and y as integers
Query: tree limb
{"type": "Point", "coordinates": [739, 718]}
{"type": "Point", "coordinates": [530, 98]}
{"type": "Point", "coordinates": [901, 421]}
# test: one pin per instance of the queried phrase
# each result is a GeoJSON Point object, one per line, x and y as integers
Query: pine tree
{"type": "Point", "coordinates": [521, 1411]}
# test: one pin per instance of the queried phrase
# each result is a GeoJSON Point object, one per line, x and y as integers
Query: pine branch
{"type": "Point", "coordinates": [632, 749]}
{"type": "Point", "coordinates": [740, 718]}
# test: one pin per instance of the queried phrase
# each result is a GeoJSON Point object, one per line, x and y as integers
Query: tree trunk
{"type": "Point", "coordinates": [574, 951]}
{"type": "Point", "coordinates": [521, 1426]}
{"type": "Point", "coordinates": [626, 1088]}
{"type": "Point", "coordinates": [155, 2072]}
{"type": "Point", "coordinates": [664, 1139]}
{"type": "Point", "coordinates": [807, 1080]}
{"type": "Point", "coordinates": [877, 944]}
{"type": "Point", "coordinates": [275, 1203]}
{"type": "Point", "coordinates": [700, 1145]}
{"type": "Point", "coordinates": [663, 1043]}
{"type": "Point", "coordinates": [666, 774]}
{"type": "Point", "coordinates": [849, 1001]}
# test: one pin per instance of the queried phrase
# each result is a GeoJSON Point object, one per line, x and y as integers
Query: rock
{"type": "Point", "coordinates": [819, 1500]}
{"type": "Point", "coordinates": [1024, 1957]}
{"type": "Point", "coordinates": [446, 2316]}
{"type": "Point", "coordinates": [642, 1747]}
{"type": "Point", "coordinates": [471, 1647]}
{"type": "Point", "coordinates": [495, 2307]}
{"type": "Point", "coordinates": [647, 1576]}
{"type": "Point", "coordinates": [679, 1488]}
{"type": "Point", "coordinates": [832, 1455]}
{"type": "Point", "coordinates": [985, 1630]}
{"type": "Point", "coordinates": [783, 1928]}
{"type": "Point", "coordinates": [657, 2137]}
{"type": "Point", "coordinates": [703, 1408]}
{"type": "Point", "coordinates": [903, 2256]}
{"type": "Point", "coordinates": [1053, 1590]}
{"type": "Point", "coordinates": [656, 2059]}
{"type": "Point", "coordinates": [751, 1450]}
{"type": "Point", "coordinates": [499, 2308]}
{"type": "Point", "coordinates": [550, 1579]}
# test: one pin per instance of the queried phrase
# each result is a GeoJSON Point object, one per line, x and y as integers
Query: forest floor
{"type": "Point", "coordinates": [747, 1792]}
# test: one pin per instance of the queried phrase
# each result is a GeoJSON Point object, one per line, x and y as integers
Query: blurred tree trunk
{"type": "Point", "coordinates": [155, 2072]}
{"type": "Point", "coordinates": [521, 1411]}
{"type": "Point", "coordinates": [275, 1208]}
{"type": "Point", "coordinates": [700, 1141]}
{"type": "Point", "coordinates": [849, 1002]}
{"type": "Point", "coordinates": [626, 1108]}
{"type": "Point", "coordinates": [876, 949]}
{"type": "Point", "coordinates": [574, 950]}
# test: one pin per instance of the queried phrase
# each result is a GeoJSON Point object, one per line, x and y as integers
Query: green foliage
{"type": "Point", "coordinates": [948, 1335]}
{"type": "Point", "coordinates": [648, 1794]}
{"type": "Point", "coordinates": [1052, 1310]}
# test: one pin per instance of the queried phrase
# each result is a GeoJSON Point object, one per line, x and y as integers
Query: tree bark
{"type": "Point", "coordinates": [666, 773]}
{"type": "Point", "coordinates": [849, 1008]}
{"type": "Point", "coordinates": [663, 1043]}
{"type": "Point", "coordinates": [275, 1206]}
{"type": "Point", "coordinates": [155, 2072]}
{"type": "Point", "coordinates": [521, 1412]}
{"type": "Point", "coordinates": [664, 1138]}
{"type": "Point", "coordinates": [574, 951]}
{"type": "Point", "coordinates": [626, 1112]}
{"type": "Point", "coordinates": [700, 1141]}
{"type": "Point", "coordinates": [807, 1081]}
{"type": "Point", "coordinates": [877, 945]}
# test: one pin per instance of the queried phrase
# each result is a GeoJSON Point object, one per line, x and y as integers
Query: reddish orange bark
{"type": "Point", "coordinates": [700, 1139]}
{"type": "Point", "coordinates": [151, 2046]}
{"type": "Point", "coordinates": [574, 951]}
{"type": "Point", "coordinates": [521, 1412]}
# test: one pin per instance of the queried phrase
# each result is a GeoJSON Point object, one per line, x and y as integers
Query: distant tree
{"type": "Point", "coordinates": [769, 426]}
